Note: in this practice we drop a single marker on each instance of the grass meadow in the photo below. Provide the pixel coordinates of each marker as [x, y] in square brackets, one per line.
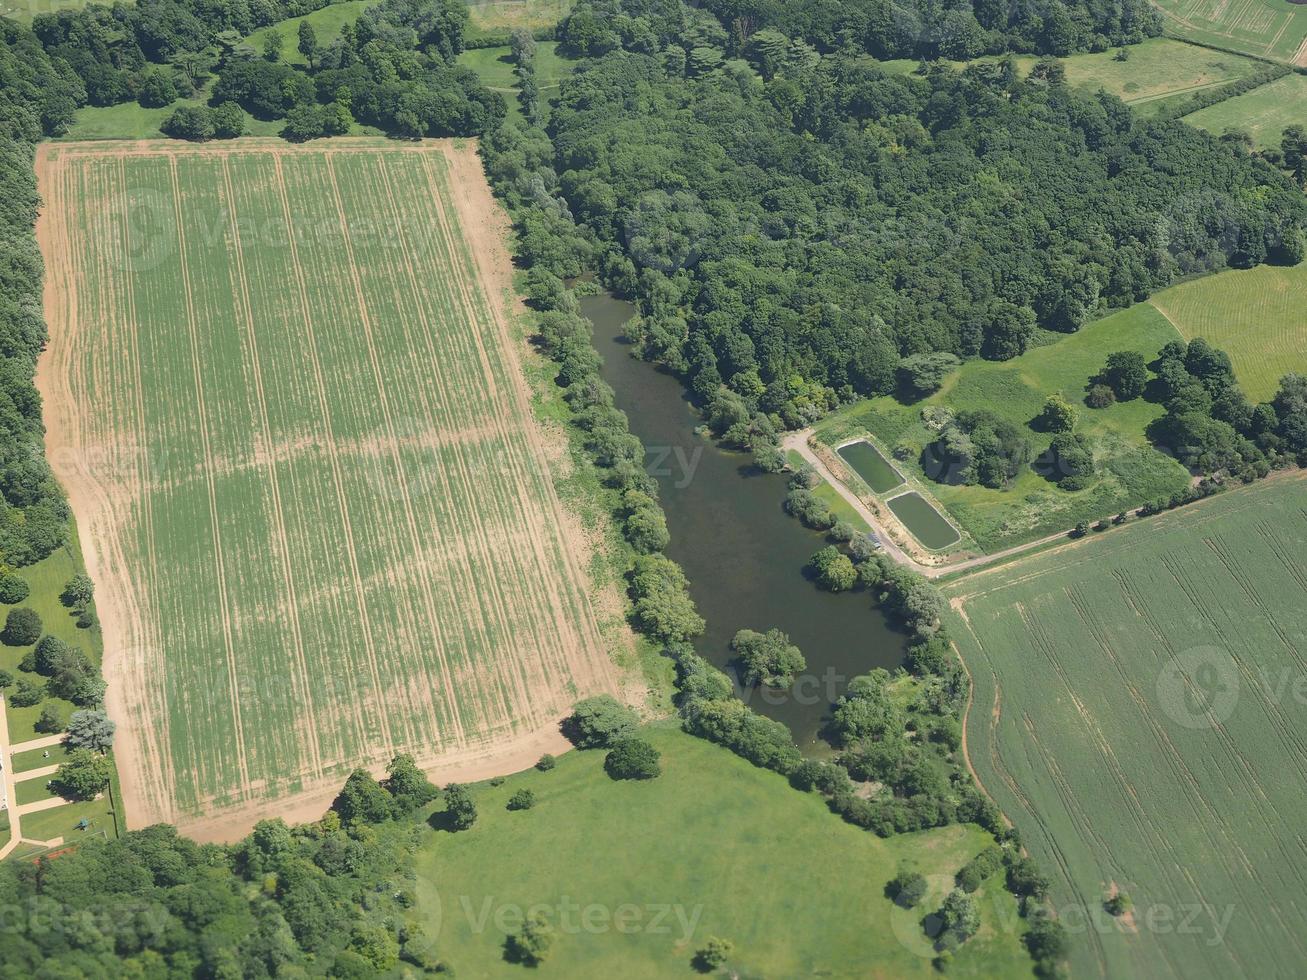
[1263, 113]
[724, 846]
[1139, 713]
[1130, 470]
[309, 449]
[1258, 316]
[1272, 29]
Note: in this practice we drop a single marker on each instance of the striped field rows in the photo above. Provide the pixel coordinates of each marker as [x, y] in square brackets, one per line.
[293, 425]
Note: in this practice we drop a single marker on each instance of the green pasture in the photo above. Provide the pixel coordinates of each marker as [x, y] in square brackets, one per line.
[1138, 712]
[729, 849]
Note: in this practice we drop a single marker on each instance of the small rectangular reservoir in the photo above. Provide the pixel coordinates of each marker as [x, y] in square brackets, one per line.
[868, 463]
[924, 521]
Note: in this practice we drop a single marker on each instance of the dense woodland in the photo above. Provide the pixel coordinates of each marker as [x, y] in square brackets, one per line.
[37, 98]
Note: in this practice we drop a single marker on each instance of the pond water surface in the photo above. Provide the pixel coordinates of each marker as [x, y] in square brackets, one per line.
[743, 554]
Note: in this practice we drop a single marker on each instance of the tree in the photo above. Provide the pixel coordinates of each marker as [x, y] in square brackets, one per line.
[922, 374]
[78, 591]
[523, 799]
[49, 721]
[1100, 396]
[907, 889]
[1057, 415]
[833, 570]
[90, 729]
[713, 954]
[6, 679]
[308, 42]
[767, 658]
[546, 762]
[228, 120]
[157, 89]
[1126, 374]
[22, 627]
[83, 775]
[866, 710]
[407, 785]
[26, 694]
[193, 123]
[632, 758]
[599, 721]
[13, 588]
[460, 809]
[959, 919]
[362, 800]
[530, 946]
[273, 42]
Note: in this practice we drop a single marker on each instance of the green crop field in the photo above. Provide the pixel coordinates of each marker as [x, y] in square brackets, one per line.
[1258, 316]
[712, 847]
[1139, 712]
[1131, 471]
[1274, 29]
[319, 514]
[1263, 113]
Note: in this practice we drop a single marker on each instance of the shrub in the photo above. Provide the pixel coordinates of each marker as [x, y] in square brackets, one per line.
[13, 589]
[523, 799]
[27, 694]
[6, 679]
[907, 889]
[632, 758]
[599, 722]
[22, 627]
[531, 945]
[713, 954]
[546, 762]
[1100, 396]
[973, 874]
[1118, 904]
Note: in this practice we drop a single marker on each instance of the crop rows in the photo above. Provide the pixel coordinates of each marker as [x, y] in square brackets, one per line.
[1159, 742]
[316, 496]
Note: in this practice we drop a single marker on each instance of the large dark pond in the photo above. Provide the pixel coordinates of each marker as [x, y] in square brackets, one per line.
[744, 555]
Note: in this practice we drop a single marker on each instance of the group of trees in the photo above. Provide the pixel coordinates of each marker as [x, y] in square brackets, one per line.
[320, 897]
[976, 447]
[603, 722]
